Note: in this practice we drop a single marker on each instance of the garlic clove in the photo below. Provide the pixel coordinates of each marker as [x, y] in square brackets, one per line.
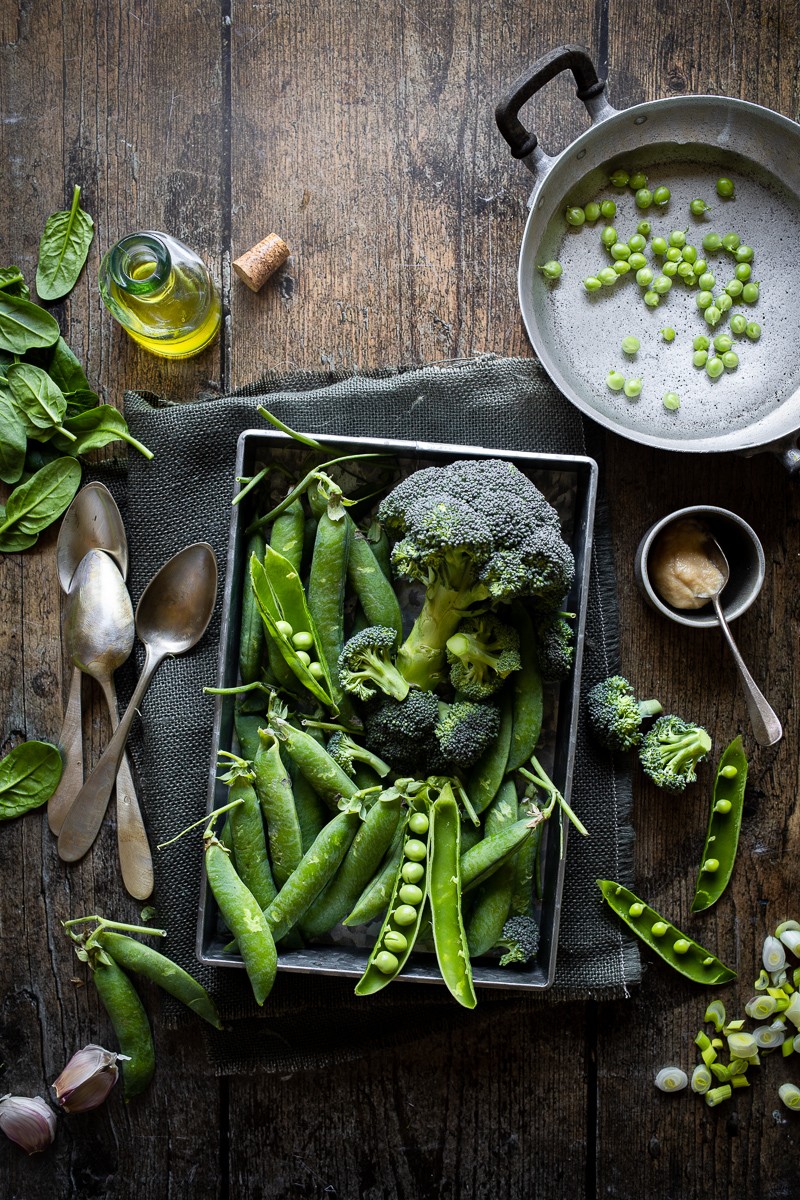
[28, 1121]
[87, 1079]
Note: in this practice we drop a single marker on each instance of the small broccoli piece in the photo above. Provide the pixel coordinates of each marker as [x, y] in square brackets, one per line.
[671, 750]
[402, 731]
[520, 937]
[555, 646]
[464, 730]
[347, 753]
[615, 715]
[366, 664]
[482, 654]
[475, 533]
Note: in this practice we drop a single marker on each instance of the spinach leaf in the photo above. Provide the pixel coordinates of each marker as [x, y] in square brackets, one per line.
[65, 370]
[28, 777]
[63, 250]
[14, 541]
[95, 428]
[38, 456]
[13, 282]
[34, 505]
[39, 401]
[23, 325]
[12, 441]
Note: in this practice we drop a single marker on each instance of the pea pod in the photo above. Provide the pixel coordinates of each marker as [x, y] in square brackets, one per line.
[242, 914]
[724, 824]
[247, 726]
[317, 867]
[274, 790]
[313, 761]
[131, 1026]
[402, 921]
[527, 882]
[487, 774]
[287, 534]
[366, 851]
[312, 812]
[280, 598]
[247, 836]
[374, 900]
[479, 862]
[251, 631]
[326, 591]
[493, 899]
[380, 546]
[375, 592]
[527, 694]
[676, 949]
[144, 960]
[444, 889]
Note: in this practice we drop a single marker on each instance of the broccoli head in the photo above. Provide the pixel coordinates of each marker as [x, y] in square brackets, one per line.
[671, 750]
[366, 664]
[475, 533]
[464, 730]
[555, 646]
[482, 654]
[347, 753]
[615, 715]
[423, 736]
[520, 938]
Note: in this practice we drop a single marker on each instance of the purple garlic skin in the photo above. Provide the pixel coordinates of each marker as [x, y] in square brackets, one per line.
[87, 1079]
[28, 1121]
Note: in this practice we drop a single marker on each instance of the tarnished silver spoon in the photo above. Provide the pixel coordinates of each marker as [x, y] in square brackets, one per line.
[171, 617]
[99, 633]
[92, 520]
[767, 729]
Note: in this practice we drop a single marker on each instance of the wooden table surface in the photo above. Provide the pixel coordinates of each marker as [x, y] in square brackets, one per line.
[364, 134]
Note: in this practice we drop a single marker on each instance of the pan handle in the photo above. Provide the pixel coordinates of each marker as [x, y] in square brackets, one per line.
[524, 143]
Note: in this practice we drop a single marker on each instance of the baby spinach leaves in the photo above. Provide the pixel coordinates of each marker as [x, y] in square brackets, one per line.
[35, 504]
[39, 401]
[13, 282]
[23, 325]
[93, 428]
[13, 441]
[29, 775]
[63, 250]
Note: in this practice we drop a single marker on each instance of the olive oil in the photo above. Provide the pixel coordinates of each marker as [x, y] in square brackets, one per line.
[161, 293]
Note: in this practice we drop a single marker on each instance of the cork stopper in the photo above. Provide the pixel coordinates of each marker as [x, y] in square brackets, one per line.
[256, 265]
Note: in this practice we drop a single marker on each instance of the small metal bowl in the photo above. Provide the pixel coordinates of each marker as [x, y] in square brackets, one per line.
[742, 549]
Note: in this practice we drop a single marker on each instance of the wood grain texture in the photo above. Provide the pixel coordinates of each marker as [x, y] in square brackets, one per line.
[364, 135]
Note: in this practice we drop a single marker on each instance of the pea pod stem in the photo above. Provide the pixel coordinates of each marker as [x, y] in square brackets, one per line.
[541, 780]
[210, 819]
[302, 487]
[304, 438]
[104, 923]
[249, 485]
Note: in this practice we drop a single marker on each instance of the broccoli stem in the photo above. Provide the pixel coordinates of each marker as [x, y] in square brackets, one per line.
[421, 659]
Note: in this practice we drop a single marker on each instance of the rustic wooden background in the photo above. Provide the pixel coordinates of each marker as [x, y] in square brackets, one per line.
[364, 134]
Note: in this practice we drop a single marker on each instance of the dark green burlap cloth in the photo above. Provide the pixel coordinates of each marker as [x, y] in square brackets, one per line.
[184, 495]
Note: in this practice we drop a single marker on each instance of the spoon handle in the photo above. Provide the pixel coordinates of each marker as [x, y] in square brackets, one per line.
[84, 819]
[71, 743]
[135, 858]
[767, 729]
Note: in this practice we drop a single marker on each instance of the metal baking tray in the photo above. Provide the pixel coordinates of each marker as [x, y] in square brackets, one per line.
[570, 483]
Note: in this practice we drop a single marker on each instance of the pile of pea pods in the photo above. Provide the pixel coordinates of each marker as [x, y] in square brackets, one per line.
[304, 847]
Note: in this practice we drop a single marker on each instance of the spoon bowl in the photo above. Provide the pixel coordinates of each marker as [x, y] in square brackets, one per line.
[92, 520]
[98, 616]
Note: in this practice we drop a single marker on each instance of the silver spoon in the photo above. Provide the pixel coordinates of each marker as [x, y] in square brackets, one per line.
[766, 726]
[98, 630]
[171, 617]
[92, 519]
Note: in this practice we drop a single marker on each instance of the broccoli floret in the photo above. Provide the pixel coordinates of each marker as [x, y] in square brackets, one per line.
[482, 654]
[475, 533]
[465, 730]
[555, 646]
[520, 937]
[347, 753]
[671, 750]
[615, 715]
[365, 664]
[402, 731]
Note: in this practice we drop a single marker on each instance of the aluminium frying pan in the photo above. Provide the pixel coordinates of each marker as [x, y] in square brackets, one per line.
[685, 143]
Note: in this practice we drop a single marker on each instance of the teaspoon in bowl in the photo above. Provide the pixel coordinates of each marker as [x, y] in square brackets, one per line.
[92, 520]
[99, 632]
[767, 728]
[171, 617]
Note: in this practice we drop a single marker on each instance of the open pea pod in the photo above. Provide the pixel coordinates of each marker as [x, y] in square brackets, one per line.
[724, 824]
[280, 597]
[444, 893]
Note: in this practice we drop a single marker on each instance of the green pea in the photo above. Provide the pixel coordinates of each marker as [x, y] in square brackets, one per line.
[386, 962]
[652, 299]
[609, 236]
[723, 302]
[638, 180]
[644, 276]
[620, 250]
[723, 806]
[689, 254]
[575, 216]
[630, 345]
[730, 360]
[418, 822]
[643, 228]
[686, 271]
[668, 333]
[551, 269]
[303, 640]
[699, 266]
[615, 380]
[592, 211]
[734, 287]
[637, 242]
[670, 269]
[413, 872]
[671, 401]
[637, 261]
[284, 628]
[714, 367]
[659, 928]
[592, 284]
[750, 293]
[738, 323]
[636, 909]
[712, 241]
[711, 865]
[700, 358]
[415, 850]
[619, 178]
[704, 299]
[405, 914]
[396, 941]
[706, 281]
[607, 276]
[409, 893]
[725, 187]
[608, 209]
[701, 342]
[316, 669]
[662, 284]
[681, 946]
[731, 241]
[643, 198]
[722, 342]
[745, 254]
[659, 246]
[743, 271]
[712, 315]
[697, 207]
[661, 195]
[674, 254]
[621, 266]
[305, 658]
[753, 330]
[633, 388]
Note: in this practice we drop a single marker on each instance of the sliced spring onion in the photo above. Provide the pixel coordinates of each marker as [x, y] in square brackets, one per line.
[720, 1072]
[702, 1040]
[718, 1094]
[796, 1044]
[740, 1081]
[787, 1048]
[742, 1045]
[761, 1007]
[779, 978]
[733, 1026]
[738, 1066]
[671, 1079]
[701, 1079]
[762, 983]
[793, 1009]
[790, 1095]
[785, 926]
[767, 1038]
[717, 1043]
[709, 1056]
[715, 1014]
[773, 955]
